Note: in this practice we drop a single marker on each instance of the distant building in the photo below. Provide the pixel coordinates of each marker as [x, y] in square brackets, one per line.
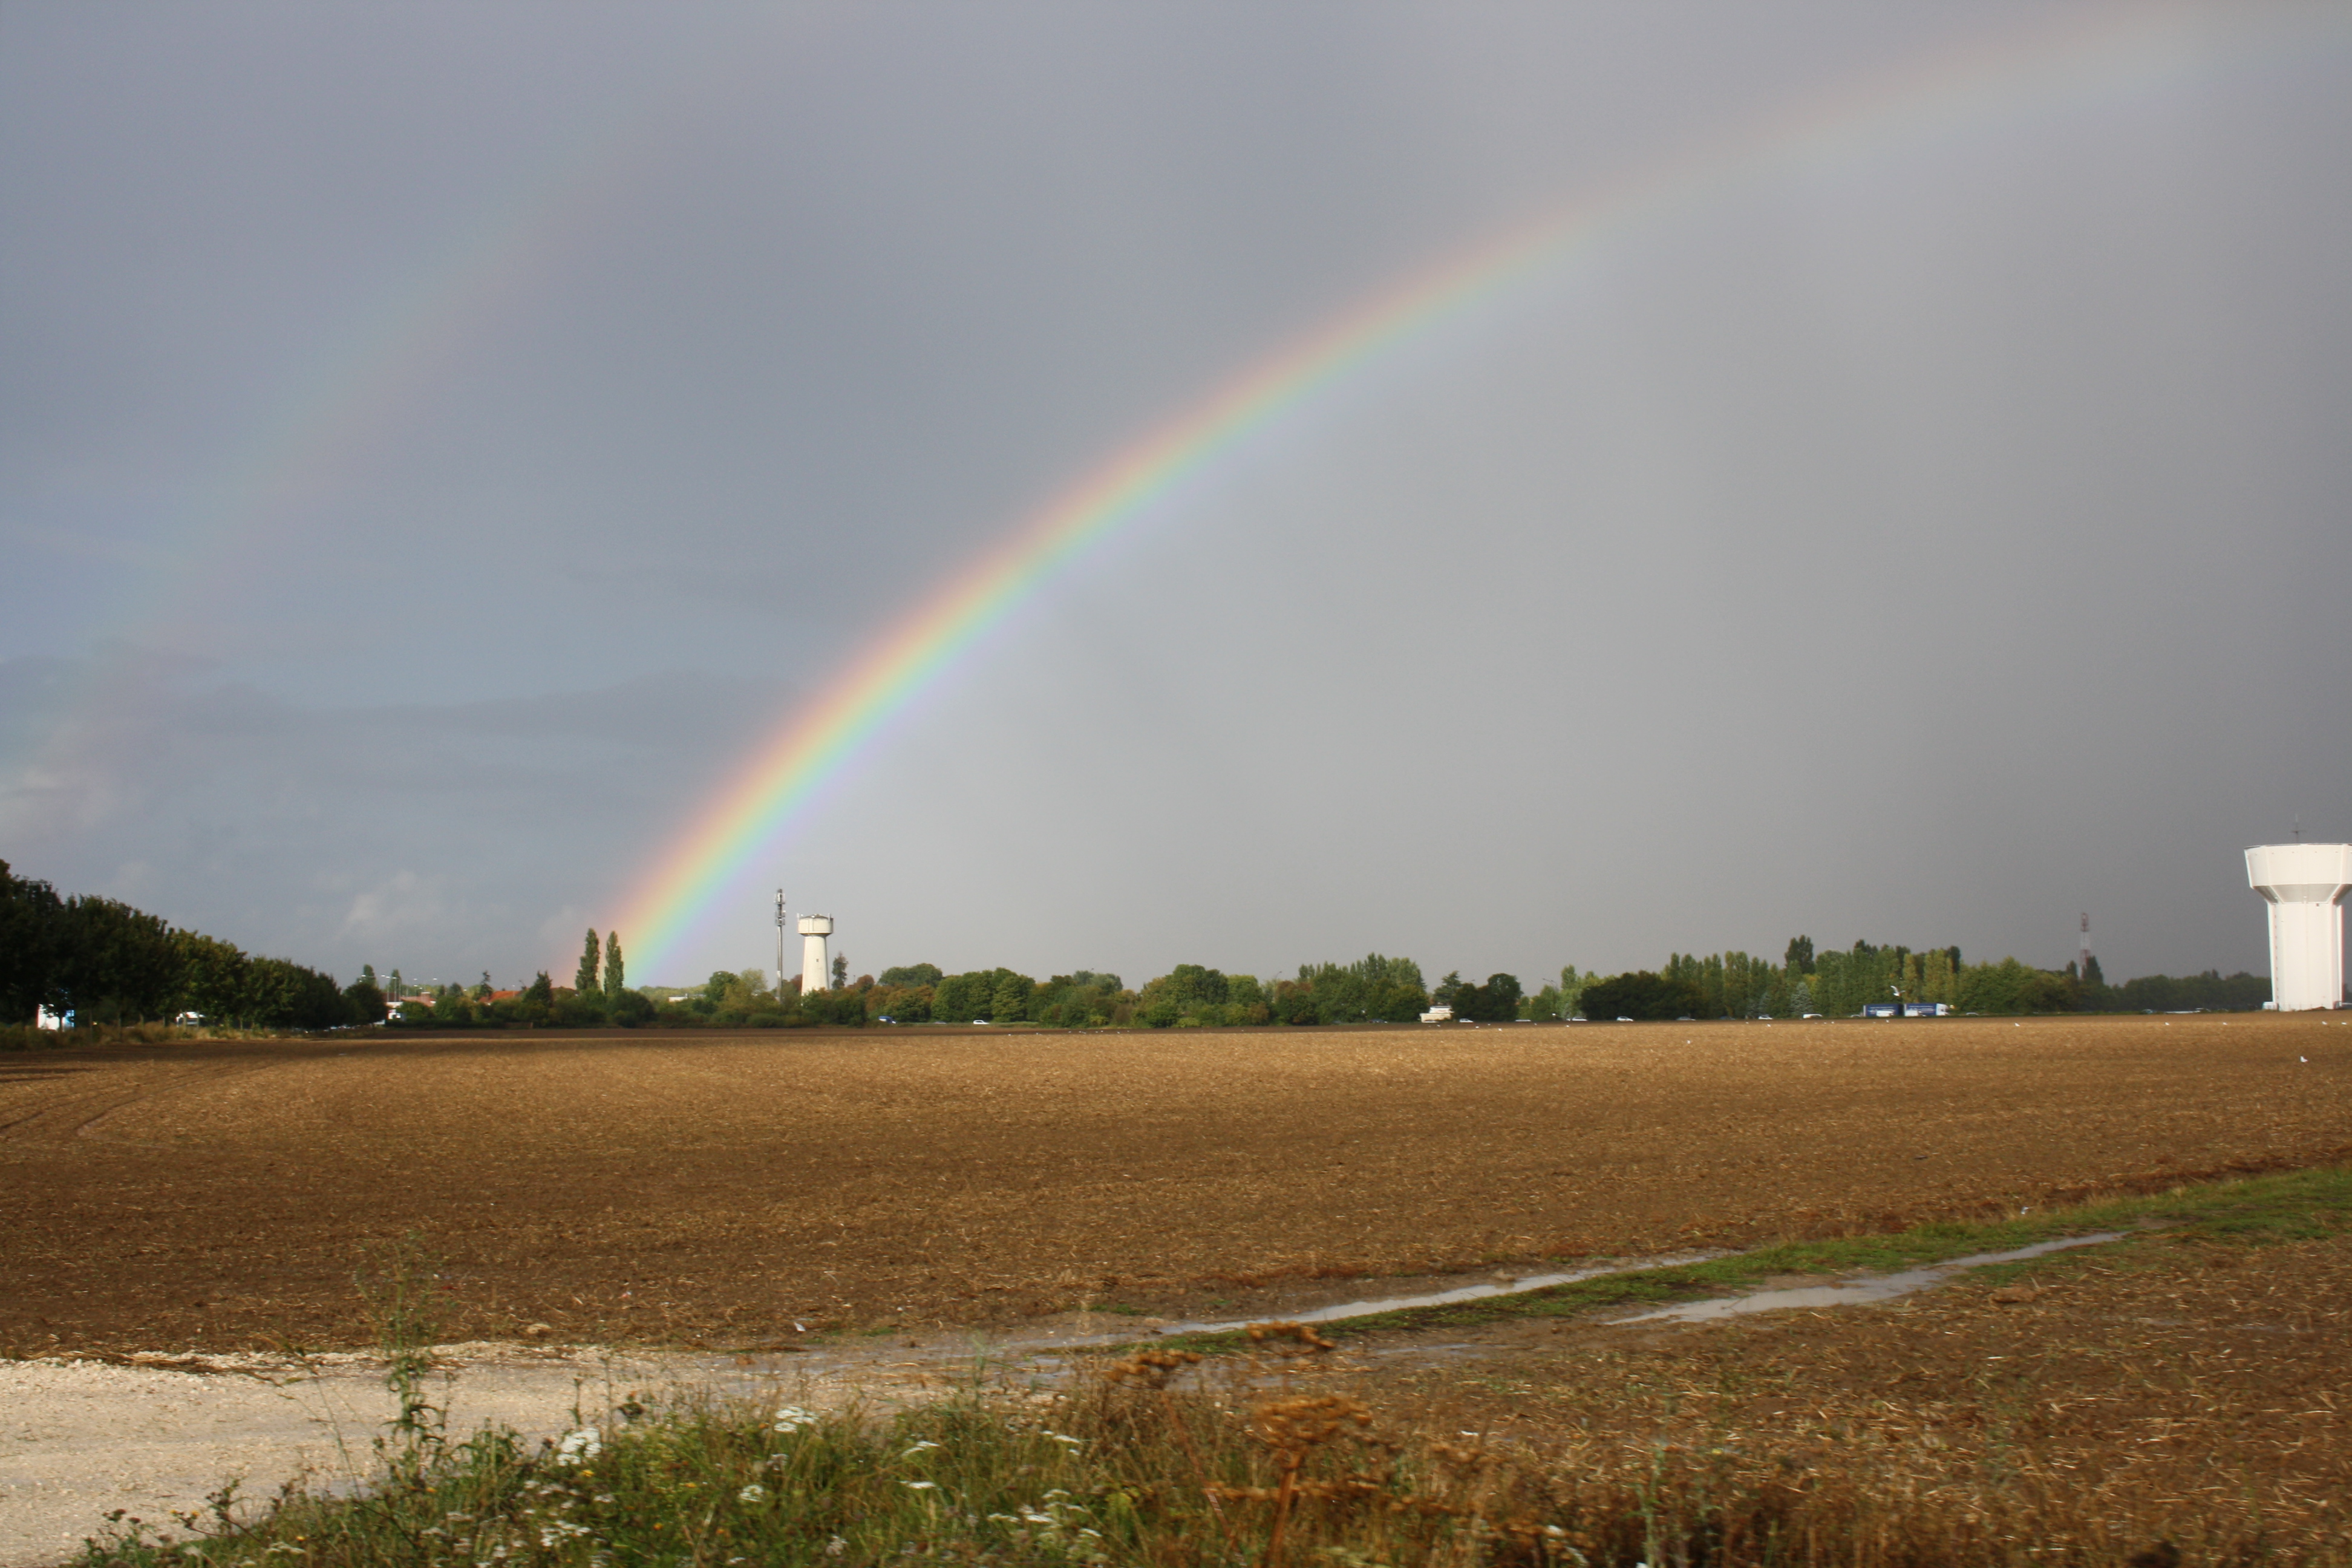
[1438, 1015]
[1904, 1009]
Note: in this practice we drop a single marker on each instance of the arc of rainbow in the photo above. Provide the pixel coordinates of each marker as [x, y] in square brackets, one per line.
[819, 741]
[822, 737]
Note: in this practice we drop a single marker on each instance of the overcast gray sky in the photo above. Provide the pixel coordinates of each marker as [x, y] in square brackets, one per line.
[439, 443]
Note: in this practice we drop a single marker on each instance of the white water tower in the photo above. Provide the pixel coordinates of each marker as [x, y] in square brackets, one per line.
[814, 975]
[2304, 884]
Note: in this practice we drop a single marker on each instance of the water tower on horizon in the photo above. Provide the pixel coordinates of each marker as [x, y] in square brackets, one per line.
[2304, 884]
[814, 969]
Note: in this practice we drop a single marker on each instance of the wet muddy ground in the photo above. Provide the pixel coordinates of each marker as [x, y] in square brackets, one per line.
[739, 1193]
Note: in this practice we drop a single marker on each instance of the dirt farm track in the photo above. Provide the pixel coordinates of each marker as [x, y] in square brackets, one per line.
[729, 1190]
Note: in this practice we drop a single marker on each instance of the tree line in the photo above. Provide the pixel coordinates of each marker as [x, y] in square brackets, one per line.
[100, 961]
[1840, 981]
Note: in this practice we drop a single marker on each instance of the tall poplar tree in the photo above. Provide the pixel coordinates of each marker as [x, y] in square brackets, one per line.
[585, 980]
[613, 985]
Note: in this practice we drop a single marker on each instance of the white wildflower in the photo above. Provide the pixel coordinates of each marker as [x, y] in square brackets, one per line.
[836, 1547]
[793, 1418]
[754, 1493]
[920, 1486]
[579, 1447]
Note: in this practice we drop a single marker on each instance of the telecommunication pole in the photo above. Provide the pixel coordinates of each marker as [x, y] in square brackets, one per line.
[779, 941]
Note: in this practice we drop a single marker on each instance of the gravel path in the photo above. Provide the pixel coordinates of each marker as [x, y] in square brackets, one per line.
[79, 1439]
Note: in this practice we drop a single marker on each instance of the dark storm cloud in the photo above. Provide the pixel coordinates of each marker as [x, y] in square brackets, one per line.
[1923, 543]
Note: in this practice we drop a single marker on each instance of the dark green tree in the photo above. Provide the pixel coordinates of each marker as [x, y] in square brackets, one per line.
[214, 979]
[2210, 990]
[613, 984]
[591, 957]
[1188, 993]
[115, 965]
[841, 972]
[912, 975]
[1800, 959]
[1009, 1002]
[1374, 987]
[285, 996]
[959, 998]
[31, 928]
[1498, 1000]
[364, 1000]
[1495, 1002]
[1642, 994]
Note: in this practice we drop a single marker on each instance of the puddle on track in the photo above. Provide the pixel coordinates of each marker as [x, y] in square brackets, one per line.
[1521, 1286]
[1043, 1356]
[1046, 1357]
[1854, 1292]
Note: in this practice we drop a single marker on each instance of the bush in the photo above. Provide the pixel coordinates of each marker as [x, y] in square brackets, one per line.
[578, 1010]
[846, 1006]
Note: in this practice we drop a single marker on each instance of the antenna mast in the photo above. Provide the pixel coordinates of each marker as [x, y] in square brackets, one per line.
[780, 941]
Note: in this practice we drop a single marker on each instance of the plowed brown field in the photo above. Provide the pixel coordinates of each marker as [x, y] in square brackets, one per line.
[721, 1188]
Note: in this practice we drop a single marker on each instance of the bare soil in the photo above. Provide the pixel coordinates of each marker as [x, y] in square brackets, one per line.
[737, 1191]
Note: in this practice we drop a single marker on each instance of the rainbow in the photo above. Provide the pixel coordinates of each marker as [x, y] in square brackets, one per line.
[818, 744]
